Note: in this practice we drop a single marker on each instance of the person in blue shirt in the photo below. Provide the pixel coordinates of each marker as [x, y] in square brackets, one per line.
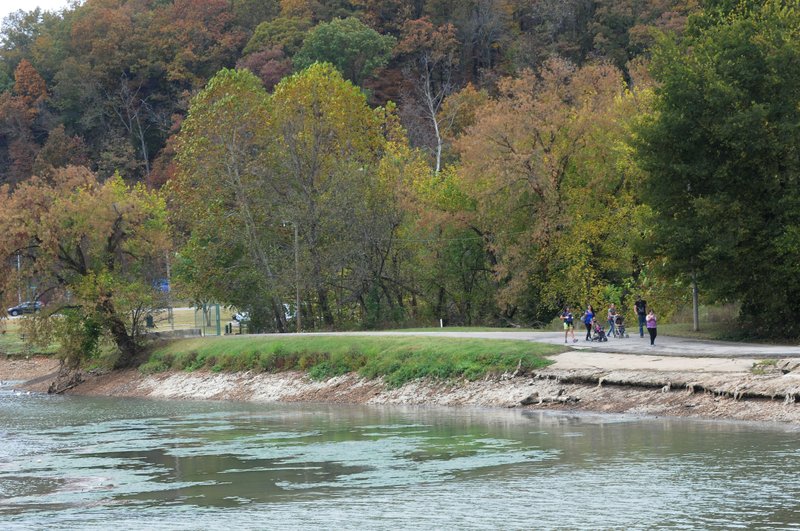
[569, 327]
[587, 318]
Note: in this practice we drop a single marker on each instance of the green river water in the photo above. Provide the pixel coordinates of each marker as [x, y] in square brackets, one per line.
[88, 463]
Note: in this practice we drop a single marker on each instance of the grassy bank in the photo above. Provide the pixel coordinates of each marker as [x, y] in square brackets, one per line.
[396, 359]
[12, 342]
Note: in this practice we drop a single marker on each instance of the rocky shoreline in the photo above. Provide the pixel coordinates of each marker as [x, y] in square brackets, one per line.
[770, 396]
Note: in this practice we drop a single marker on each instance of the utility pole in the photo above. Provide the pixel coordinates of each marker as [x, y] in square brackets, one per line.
[695, 304]
[19, 288]
[170, 316]
[296, 278]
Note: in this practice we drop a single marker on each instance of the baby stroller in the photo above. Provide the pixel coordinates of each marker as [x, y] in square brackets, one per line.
[619, 327]
[598, 334]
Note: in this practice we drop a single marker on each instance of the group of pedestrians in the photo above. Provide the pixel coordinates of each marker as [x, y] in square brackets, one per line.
[587, 318]
[647, 321]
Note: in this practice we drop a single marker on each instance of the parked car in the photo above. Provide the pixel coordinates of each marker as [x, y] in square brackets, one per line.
[25, 307]
[241, 317]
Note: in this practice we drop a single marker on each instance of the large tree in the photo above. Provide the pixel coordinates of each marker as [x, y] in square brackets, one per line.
[527, 161]
[255, 168]
[722, 159]
[220, 200]
[325, 144]
[95, 247]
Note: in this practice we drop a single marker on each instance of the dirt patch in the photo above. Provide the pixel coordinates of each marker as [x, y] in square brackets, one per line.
[16, 368]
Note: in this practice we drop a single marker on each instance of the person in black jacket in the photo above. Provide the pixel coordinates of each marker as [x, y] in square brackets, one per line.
[641, 312]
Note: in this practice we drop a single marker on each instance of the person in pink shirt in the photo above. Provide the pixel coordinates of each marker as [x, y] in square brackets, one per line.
[651, 326]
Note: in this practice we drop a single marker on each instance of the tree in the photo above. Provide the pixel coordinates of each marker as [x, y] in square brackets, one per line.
[253, 168]
[519, 163]
[353, 48]
[29, 87]
[622, 30]
[284, 33]
[250, 13]
[22, 119]
[720, 151]
[60, 151]
[325, 142]
[270, 65]
[101, 243]
[483, 30]
[198, 38]
[220, 200]
[389, 16]
[19, 32]
[432, 53]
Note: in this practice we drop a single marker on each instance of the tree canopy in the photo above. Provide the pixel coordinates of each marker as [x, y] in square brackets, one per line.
[355, 49]
[97, 248]
[721, 159]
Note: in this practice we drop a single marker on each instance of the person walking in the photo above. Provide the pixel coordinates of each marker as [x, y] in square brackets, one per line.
[612, 316]
[569, 327]
[651, 327]
[641, 312]
[587, 318]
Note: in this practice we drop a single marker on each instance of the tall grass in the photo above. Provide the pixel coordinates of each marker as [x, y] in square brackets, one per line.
[396, 359]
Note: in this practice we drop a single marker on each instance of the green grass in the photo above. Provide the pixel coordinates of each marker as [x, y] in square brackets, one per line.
[471, 329]
[764, 366]
[11, 343]
[721, 331]
[396, 359]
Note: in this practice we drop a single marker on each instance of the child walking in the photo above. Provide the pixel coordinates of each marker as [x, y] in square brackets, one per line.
[569, 328]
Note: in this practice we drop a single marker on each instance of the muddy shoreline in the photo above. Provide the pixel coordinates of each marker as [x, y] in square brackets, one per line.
[770, 397]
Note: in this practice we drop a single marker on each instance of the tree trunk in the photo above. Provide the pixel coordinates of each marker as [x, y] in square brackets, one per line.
[125, 343]
[280, 318]
[324, 307]
[440, 298]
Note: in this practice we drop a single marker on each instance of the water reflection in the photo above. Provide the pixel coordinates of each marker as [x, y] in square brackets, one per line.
[69, 462]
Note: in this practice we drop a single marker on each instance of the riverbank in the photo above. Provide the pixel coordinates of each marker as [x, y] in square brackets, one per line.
[26, 368]
[578, 381]
[679, 378]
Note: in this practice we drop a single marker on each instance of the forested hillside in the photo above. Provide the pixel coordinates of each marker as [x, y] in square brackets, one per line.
[393, 162]
[107, 83]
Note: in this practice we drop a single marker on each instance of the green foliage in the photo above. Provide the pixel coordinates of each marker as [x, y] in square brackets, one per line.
[101, 243]
[78, 335]
[552, 183]
[284, 33]
[397, 360]
[720, 152]
[353, 48]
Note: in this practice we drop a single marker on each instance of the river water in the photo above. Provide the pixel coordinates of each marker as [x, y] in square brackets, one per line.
[88, 463]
